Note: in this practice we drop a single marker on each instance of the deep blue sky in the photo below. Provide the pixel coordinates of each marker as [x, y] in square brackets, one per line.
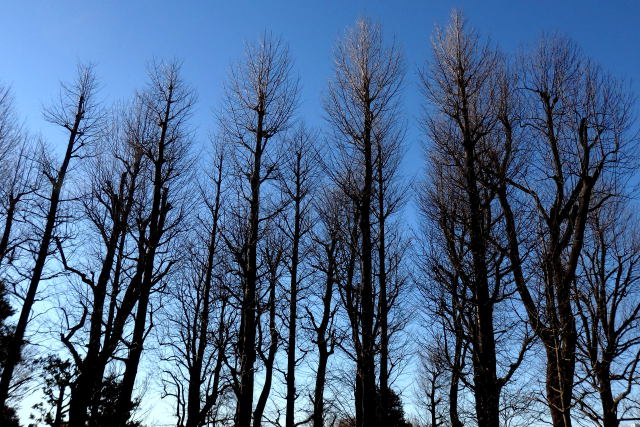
[43, 40]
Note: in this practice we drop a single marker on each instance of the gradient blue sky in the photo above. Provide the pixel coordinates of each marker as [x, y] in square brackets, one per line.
[41, 42]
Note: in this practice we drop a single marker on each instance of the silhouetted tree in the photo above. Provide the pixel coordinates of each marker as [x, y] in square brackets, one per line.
[327, 258]
[360, 106]
[78, 114]
[58, 377]
[469, 88]
[608, 312]
[168, 102]
[261, 96]
[197, 331]
[115, 180]
[19, 179]
[577, 117]
[269, 339]
[299, 174]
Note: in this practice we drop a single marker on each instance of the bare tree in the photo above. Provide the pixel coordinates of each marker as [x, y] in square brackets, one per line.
[470, 91]
[445, 312]
[19, 187]
[107, 207]
[261, 97]
[608, 307]
[268, 343]
[577, 116]
[433, 365]
[361, 101]
[10, 130]
[168, 101]
[389, 196]
[298, 177]
[19, 178]
[197, 334]
[327, 260]
[129, 210]
[78, 114]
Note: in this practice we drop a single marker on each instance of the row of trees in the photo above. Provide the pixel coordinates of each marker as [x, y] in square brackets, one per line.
[530, 243]
[271, 279]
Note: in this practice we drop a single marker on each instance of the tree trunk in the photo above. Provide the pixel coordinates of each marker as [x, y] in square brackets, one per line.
[383, 311]
[84, 386]
[454, 417]
[487, 389]
[359, 397]
[433, 403]
[17, 340]
[293, 304]
[57, 422]
[321, 336]
[273, 347]
[159, 209]
[247, 338]
[124, 404]
[8, 224]
[367, 368]
[558, 396]
[194, 411]
[318, 394]
[609, 406]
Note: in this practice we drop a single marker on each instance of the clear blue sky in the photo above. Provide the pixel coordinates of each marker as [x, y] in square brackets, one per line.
[42, 40]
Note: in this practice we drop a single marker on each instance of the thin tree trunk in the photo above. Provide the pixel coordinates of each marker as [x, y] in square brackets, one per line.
[321, 339]
[8, 224]
[433, 402]
[383, 311]
[456, 369]
[157, 216]
[247, 338]
[270, 359]
[367, 368]
[17, 340]
[195, 417]
[293, 308]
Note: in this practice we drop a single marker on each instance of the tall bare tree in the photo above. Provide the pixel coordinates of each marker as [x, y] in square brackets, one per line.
[327, 256]
[261, 96]
[468, 85]
[19, 177]
[362, 98]
[77, 113]
[197, 334]
[168, 101]
[115, 175]
[578, 117]
[445, 313]
[389, 196]
[608, 308]
[299, 174]
[269, 338]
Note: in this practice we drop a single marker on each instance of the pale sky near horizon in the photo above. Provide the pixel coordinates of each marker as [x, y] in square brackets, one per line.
[41, 42]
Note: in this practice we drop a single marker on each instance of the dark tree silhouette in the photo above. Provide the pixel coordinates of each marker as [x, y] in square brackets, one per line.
[360, 104]
[78, 114]
[578, 117]
[261, 96]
